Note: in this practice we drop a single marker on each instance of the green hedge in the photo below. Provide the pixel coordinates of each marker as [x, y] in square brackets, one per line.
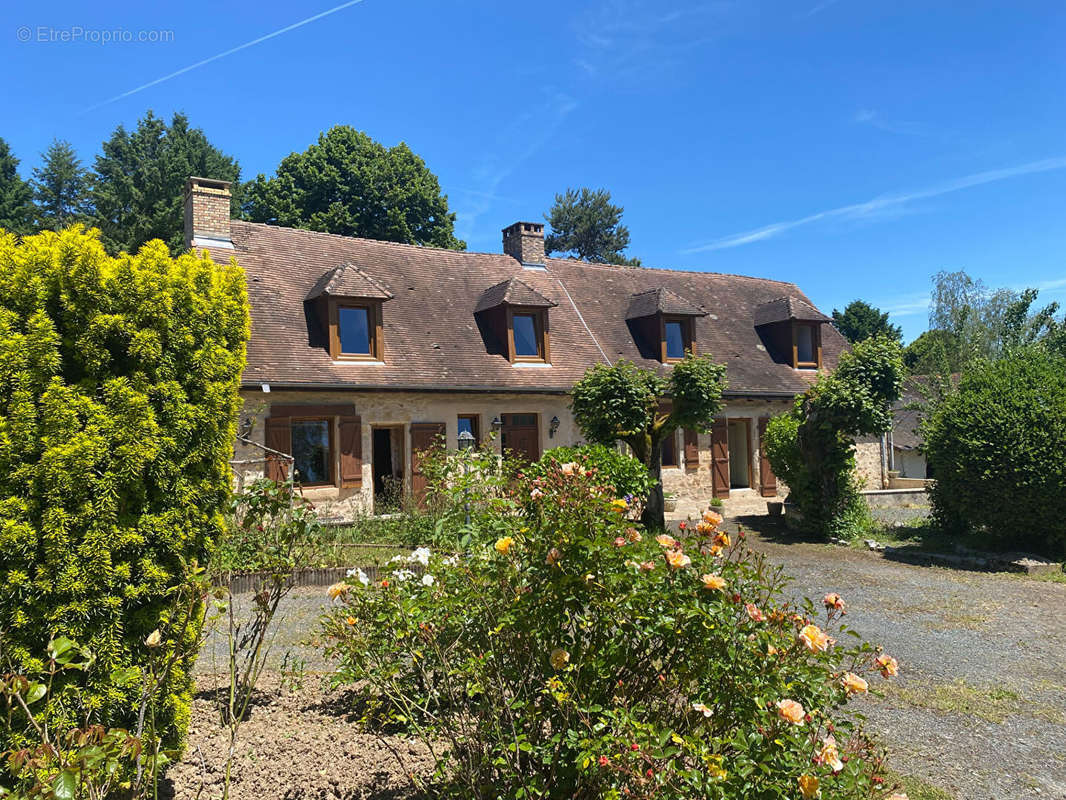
[997, 448]
[118, 401]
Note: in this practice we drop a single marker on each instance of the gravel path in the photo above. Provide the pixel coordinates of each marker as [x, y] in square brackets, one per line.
[1001, 733]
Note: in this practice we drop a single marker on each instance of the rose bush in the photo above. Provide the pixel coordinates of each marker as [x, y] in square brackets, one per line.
[577, 656]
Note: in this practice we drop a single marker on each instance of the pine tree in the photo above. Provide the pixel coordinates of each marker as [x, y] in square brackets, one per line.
[585, 224]
[16, 210]
[60, 188]
[140, 176]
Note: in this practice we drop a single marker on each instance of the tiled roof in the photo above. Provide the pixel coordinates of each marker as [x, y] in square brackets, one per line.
[512, 292]
[433, 341]
[347, 280]
[661, 301]
[789, 307]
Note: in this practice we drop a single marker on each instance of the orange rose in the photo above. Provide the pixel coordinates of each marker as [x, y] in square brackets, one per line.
[677, 560]
[712, 518]
[553, 557]
[808, 786]
[889, 666]
[666, 540]
[854, 684]
[833, 601]
[714, 583]
[647, 566]
[791, 711]
[829, 755]
[755, 612]
[721, 539]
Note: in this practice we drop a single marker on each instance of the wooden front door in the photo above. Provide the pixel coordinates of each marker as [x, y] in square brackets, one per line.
[423, 436]
[720, 458]
[767, 479]
[520, 436]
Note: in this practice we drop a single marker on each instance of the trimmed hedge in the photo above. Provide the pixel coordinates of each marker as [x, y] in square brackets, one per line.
[118, 403]
[997, 448]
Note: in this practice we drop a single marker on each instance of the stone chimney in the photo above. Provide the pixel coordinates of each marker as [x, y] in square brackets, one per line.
[525, 241]
[207, 213]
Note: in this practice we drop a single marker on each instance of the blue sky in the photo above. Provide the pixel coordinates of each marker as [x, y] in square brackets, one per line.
[852, 146]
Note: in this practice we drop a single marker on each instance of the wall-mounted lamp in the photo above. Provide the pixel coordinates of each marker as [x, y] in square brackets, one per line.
[496, 424]
[466, 440]
[553, 426]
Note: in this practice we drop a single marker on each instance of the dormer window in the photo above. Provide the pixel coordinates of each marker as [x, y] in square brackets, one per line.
[806, 345]
[517, 316]
[350, 303]
[791, 329]
[664, 324]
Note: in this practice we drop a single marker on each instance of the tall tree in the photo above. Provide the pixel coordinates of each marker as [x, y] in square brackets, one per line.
[624, 403]
[60, 188]
[140, 177]
[349, 184]
[585, 224]
[860, 320]
[16, 210]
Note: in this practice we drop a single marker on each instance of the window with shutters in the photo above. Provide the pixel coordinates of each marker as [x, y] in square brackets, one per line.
[316, 445]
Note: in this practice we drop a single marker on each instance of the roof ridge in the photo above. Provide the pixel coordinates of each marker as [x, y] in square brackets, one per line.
[577, 262]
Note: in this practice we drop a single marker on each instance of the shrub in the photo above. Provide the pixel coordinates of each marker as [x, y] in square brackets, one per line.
[625, 474]
[997, 448]
[577, 657]
[812, 448]
[118, 402]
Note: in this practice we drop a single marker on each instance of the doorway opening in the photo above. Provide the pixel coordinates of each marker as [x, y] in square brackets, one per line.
[387, 466]
[740, 454]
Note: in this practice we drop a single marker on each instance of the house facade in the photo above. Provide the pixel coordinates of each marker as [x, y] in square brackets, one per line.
[364, 352]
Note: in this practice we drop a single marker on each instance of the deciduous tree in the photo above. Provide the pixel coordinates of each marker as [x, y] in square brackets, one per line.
[623, 403]
[347, 183]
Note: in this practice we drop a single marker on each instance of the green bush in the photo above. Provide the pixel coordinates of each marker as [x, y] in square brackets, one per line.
[997, 448]
[577, 657]
[118, 402]
[625, 474]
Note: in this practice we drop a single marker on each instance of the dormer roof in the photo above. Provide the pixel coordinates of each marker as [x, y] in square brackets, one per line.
[347, 280]
[512, 292]
[661, 301]
[785, 309]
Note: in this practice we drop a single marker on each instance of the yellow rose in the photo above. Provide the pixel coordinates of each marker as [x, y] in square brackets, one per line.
[815, 639]
[721, 539]
[666, 540]
[559, 658]
[677, 560]
[337, 590]
[619, 505]
[503, 546]
[808, 786]
[714, 583]
[791, 711]
[712, 518]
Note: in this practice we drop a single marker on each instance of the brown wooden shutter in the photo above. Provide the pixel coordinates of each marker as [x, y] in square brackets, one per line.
[278, 435]
[423, 436]
[692, 450]
[767, 479]
[351, 447]
[720, 458]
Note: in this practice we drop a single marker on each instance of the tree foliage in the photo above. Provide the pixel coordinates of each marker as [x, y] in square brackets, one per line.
[60, 188]
[812, 448]
[585, 224]
[622, 402]
[347, 183]
[139, 181]
[996, 445]
[16, 209]
[859, 321]
[118, 402]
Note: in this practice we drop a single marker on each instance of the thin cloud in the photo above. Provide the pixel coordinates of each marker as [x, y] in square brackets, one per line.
[909, 306]
[880, 205]
[872, 118]
[225, 53]
[821, 7]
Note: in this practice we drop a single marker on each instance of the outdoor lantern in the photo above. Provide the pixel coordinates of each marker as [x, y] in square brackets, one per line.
[466, 440]
[553, 426]
[496, 424]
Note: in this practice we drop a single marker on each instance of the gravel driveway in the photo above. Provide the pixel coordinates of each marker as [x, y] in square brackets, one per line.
[979, 709]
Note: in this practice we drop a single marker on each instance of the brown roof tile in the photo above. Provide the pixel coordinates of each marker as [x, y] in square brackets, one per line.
[661, 301]
[783, 309]
[512, 292]
[347, 280]
[432, 337]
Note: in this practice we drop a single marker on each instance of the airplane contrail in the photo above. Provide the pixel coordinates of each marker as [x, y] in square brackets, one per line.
[225, 53]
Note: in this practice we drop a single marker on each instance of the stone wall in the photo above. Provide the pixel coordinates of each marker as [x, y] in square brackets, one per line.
[868, 464]
[400, 409]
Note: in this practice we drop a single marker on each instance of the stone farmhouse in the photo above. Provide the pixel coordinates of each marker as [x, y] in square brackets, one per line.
[363, 352]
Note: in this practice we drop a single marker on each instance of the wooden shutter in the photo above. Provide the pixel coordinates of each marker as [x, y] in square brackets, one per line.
[720, 458]
[278, 434]
[423, 436]
[351, 447]
[692, 450]
[767, 479]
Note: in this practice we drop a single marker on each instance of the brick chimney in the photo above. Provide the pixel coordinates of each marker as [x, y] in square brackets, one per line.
[207, 213]
[525, 241]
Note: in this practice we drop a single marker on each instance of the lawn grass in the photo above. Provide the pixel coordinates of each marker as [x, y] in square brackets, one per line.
[916, 788]
[990, 703]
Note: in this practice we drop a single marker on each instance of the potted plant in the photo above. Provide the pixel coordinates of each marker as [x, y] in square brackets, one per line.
[775, 507]
[669, 501]
[716, 503]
